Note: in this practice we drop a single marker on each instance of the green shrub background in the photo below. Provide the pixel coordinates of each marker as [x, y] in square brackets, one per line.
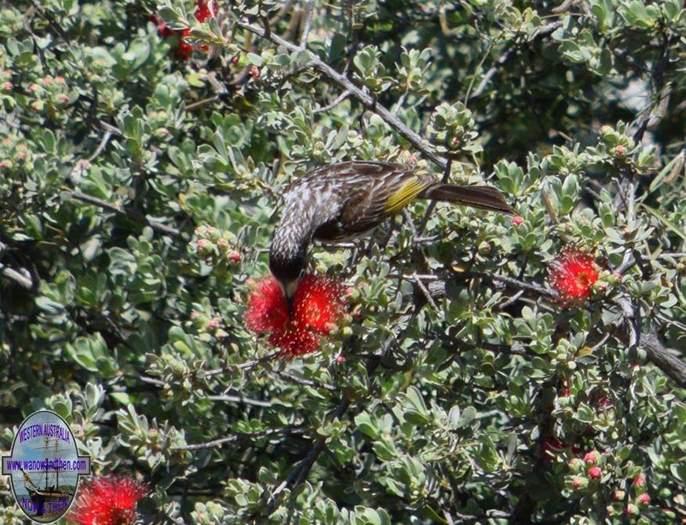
[462, 390]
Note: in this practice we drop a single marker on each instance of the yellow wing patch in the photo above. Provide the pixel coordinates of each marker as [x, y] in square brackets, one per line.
[404, 195]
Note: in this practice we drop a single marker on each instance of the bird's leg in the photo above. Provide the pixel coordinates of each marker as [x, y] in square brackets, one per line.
[384, 242]
[354, 255]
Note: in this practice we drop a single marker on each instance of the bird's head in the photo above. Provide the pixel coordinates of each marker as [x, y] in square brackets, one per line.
[287, 266]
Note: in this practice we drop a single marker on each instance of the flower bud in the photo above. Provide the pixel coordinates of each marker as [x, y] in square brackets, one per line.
[234, 257]
[594, 473]
[576, 465]
[517, 220]
[578, 483]
[643, 499]
[591, 458]
[639, 480]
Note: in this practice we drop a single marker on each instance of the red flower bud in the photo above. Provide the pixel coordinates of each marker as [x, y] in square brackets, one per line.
[644, 499]
[639, 480]
[594, 473]
[234, 257]
[591, 458]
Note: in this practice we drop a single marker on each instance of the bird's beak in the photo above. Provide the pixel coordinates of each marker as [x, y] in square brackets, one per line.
[289, 291]
[290, 288]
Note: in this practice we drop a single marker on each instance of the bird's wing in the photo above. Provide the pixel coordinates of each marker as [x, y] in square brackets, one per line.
[354, 197]
[380, 194]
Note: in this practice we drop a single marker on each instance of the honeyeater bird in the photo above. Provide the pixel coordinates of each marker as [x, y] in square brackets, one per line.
[344, 200]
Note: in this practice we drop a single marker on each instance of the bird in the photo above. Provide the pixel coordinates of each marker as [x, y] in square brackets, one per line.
[345, 200]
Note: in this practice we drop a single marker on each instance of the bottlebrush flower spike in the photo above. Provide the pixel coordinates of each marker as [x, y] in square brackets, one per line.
[267, 309]
[573, 275]
[318, 304]
[107, 500]
[205, 10]
[295, 341]
[162, 28]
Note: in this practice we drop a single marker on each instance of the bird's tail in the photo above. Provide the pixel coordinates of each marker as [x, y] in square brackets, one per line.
[483, 197]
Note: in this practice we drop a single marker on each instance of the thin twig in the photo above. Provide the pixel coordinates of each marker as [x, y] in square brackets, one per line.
[103, 144]
[507, 55]
[340, 98]
[425, 291]
[157, 226]
[237, 436]
[240, 400]
[306, 22]
[664, 358]
[299, 473]
[200, 103]
[361, 95]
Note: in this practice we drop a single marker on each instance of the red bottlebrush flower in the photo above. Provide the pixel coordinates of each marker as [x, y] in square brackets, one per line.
[184, 50]
[162, 28]
[107, 500]
[267, 309]
[318, 305]
[573, 274]
[295, 341]
[644, 499]
[594, 473]
[551, 448]
[205, 10]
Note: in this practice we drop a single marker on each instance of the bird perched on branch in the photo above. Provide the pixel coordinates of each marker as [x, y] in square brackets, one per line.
[345, 200]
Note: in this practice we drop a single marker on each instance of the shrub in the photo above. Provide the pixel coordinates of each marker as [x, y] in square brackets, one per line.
[143, 149]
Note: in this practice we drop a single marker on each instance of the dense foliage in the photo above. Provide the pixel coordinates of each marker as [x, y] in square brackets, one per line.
[143, 148]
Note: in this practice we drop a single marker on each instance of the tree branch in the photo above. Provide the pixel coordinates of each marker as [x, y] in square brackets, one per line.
[361, 95]
[157, 226]
[664, 358]
[506, 56]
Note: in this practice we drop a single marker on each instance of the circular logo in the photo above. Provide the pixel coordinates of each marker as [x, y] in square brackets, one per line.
[44, 466]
